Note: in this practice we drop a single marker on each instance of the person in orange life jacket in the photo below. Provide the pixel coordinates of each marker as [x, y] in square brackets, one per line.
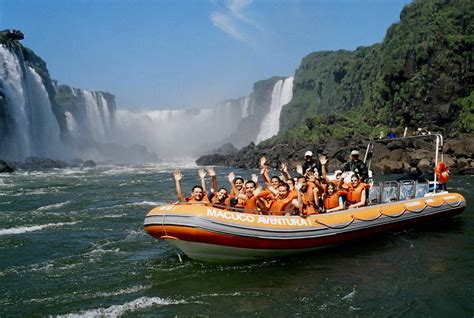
[212, 192]
[357, 166]
[288, 179]
[237, 185]
[249, 199]
[332, 198]
[442, 174]
[271, 183]
[356, 194]
[221, 198]
[307, 202]
[197, 194]
[281, 204]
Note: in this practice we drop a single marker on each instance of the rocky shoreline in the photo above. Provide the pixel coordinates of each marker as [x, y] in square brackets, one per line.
[389, 157]
[37, 163]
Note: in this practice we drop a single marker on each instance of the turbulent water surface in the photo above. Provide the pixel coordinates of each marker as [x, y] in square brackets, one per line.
[72, 243]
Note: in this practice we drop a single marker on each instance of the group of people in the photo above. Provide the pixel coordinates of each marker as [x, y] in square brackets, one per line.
[312, 191]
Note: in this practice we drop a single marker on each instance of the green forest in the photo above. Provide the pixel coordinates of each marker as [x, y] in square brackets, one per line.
[421, 75]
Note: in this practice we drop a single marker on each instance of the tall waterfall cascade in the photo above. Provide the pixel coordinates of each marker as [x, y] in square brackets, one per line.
[91, 118]
[43, 119]
[33, 129]
[281, 95]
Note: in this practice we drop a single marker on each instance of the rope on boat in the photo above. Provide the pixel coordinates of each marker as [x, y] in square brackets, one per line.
[453, 205]
[368, 220]
[381, 213]
[336, 227]
[394, 216]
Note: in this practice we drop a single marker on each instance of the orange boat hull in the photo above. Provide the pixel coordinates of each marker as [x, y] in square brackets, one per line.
[210, 234]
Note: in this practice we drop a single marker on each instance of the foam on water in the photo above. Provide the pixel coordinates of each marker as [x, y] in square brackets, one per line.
[32, 228]
[131, 306]
[53, 206]
[124, 291]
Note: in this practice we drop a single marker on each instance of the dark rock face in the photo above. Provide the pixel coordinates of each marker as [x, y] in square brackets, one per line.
[36, 163]
[89, 164]
[5, 167]
[212, 160]
[391, 157]
[12, 34]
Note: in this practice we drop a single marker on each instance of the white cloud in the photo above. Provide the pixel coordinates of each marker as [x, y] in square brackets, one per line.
[224, 23]
[237, 6]
[228, 19]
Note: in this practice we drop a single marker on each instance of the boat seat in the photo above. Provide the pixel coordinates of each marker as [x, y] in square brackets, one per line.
[421, 189]
[407, 189]
[390, 191]
[374, 195]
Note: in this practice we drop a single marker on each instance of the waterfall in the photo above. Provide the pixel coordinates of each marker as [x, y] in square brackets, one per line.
[281, 95]
[244, 102]
[33, 130]
[90, 118]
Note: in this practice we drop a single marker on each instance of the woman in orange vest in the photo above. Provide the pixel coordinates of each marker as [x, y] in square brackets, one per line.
[442, 174]
[332, 199]
[356, 194]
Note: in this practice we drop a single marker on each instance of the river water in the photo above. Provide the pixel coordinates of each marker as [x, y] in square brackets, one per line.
[72, 244]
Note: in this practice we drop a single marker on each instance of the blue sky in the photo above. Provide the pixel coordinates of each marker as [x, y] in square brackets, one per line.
[155, 54]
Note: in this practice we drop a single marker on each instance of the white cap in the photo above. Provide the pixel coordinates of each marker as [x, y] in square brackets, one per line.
[337, 172]
[308, 153]
[355, 153]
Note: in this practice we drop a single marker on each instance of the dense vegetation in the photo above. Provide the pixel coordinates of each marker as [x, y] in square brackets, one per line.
[421, 75]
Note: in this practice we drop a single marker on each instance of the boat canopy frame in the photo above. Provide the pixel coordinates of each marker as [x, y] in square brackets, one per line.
[436, 137]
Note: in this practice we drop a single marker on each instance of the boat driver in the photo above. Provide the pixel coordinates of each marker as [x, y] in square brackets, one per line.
[357, 166]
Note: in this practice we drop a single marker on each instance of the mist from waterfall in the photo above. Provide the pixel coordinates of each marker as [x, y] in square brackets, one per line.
[172, 133]
[34, 130]
[281, 95]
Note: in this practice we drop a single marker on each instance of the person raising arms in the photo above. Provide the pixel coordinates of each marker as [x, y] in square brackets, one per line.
[307, 197]
[281, 204]
[197, 193]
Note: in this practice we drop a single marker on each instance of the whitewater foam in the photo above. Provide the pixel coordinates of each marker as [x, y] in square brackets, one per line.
[131, 306]
[32, 228]
[53, 206]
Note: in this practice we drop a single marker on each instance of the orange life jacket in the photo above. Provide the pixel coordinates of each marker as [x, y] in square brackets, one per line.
[354, 194]
[442, 173]
[331, 201]
[309, 206]
[250, 205]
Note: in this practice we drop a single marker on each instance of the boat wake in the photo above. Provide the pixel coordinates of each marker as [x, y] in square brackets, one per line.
[131, 306]
[32, 228]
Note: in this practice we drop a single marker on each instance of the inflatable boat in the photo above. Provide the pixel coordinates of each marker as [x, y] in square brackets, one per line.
[208, 233]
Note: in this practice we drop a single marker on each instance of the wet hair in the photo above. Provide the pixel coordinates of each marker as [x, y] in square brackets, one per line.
[198, 187]
[275, 177]
[252, 182]
[239, 178]
[300, 176]
[332, 185]
[356, 176]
